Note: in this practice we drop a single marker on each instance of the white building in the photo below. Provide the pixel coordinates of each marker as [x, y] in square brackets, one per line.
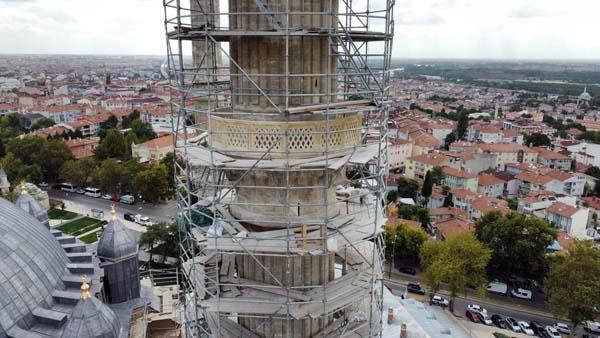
[571, 219]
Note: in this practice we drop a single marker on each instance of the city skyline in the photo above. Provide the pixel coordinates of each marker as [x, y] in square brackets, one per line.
[446, 29]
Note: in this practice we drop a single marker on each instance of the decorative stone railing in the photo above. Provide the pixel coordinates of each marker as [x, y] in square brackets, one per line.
[305, 138]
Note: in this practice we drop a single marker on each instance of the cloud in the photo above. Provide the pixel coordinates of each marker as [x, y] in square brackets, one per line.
[420, 20]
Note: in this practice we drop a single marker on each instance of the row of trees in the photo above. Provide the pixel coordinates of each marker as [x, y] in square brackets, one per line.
[515, 244]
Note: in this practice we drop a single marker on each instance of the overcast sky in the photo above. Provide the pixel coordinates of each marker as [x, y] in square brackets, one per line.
[500, 29]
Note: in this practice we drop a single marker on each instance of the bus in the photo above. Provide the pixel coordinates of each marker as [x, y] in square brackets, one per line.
[92, 192]
[68, 187]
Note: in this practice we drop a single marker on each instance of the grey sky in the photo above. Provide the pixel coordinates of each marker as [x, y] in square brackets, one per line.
[521, 29]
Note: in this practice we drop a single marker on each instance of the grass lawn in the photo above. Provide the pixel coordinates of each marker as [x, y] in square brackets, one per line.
[61, 214]
[73, 226]
[89, 238]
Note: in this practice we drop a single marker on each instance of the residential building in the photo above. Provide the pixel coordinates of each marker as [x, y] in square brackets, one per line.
[485, 133]
[419, 165]
[490, 185]
[399, 151]
[571, 219]
[459, 179]
[553, 159]
[153, 150]
[83, 147]
[509, 153]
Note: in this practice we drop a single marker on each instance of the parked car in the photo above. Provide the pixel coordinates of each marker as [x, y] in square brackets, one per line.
[92, 192]
[476, 308]
[512, 324]
[537, 328]
[129, 217]
[115, 198]
[127, 199]
[415, 288]
[407, 270]
[521, 293]
[497, 288]
[590, 326]
[472, 315]
[499, 321]
[68, 187]
[80, 191]
[562, 328]
[484, 318]
[106, 197]
[43, 185]
[551, 332]
[143, 220]
[525, 328]
[437, 300]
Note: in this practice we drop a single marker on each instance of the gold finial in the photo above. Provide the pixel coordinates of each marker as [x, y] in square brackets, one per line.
[85, 288]
[23, 188]
[113, 212]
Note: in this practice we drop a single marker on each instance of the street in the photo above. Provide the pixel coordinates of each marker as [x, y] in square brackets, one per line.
[461, 302]
[157, 212]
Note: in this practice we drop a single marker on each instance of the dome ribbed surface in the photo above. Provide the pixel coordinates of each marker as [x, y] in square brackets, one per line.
[117, 242]
[92, 318]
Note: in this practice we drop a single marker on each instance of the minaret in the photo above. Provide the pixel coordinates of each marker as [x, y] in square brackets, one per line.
[118, 253]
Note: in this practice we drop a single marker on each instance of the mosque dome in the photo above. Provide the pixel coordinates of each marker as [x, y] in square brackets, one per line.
[28, 204]
[32, 263]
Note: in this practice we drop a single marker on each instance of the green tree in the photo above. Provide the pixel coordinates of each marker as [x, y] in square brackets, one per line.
[27, 149]
[513, 203]
[108, 79]
[169, 161]
[161, 238]
[52, 157]
[152, 183]
[131, 168]
[427, 188]
[448, 200]
[573, 284]
[72, 171]
[514, 237]
[450, 138]
[407, 188]
[437, 175]
[392, 196]
[43, 123]
[423, 216]
[111, 123]
[108, 175]
[537, 140]
[130, 139]
[17, 171]
[463, 124]
[593, 171]
[142, 130]
[404, 241]
[112, 146]
[458, 262]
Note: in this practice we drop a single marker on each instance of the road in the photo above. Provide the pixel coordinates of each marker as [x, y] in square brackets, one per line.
[157, 212]
[460, 306]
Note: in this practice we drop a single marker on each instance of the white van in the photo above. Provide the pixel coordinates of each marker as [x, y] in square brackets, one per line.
[521, 293]
[92, 192]
[498, 288]
[68, 187]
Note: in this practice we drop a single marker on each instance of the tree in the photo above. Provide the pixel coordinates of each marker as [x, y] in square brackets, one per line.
[427, 188]
[459, 261]
[17, 171]
[108, 79]
[404, 241]
[130, 170]
[73, 172]
[108, 175]
[43, 123]
[112, 146]
[392, 196]
[448, 200]
[593, 171]
[169, 161]
[437, 175]
[110, 123]
[142, 130]
[537, 140]
[161, 238]
[52, 157]
[423, 216]
[514, 238]
[513, 203]
[130, 139]
[463, 124]
[450, 138]
[152, 183]
[573, 284]
[407, 188]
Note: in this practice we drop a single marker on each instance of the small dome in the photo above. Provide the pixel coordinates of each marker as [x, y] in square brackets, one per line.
[117, 242]
[27, 203]
[91, 319]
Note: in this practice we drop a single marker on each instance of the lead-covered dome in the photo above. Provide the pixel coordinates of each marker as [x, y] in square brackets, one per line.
[117, 242]
[32, 263]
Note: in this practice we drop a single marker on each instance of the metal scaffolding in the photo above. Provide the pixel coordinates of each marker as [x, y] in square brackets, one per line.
[282, 109]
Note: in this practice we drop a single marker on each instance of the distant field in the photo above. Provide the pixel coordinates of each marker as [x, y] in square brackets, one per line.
[61, 214]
